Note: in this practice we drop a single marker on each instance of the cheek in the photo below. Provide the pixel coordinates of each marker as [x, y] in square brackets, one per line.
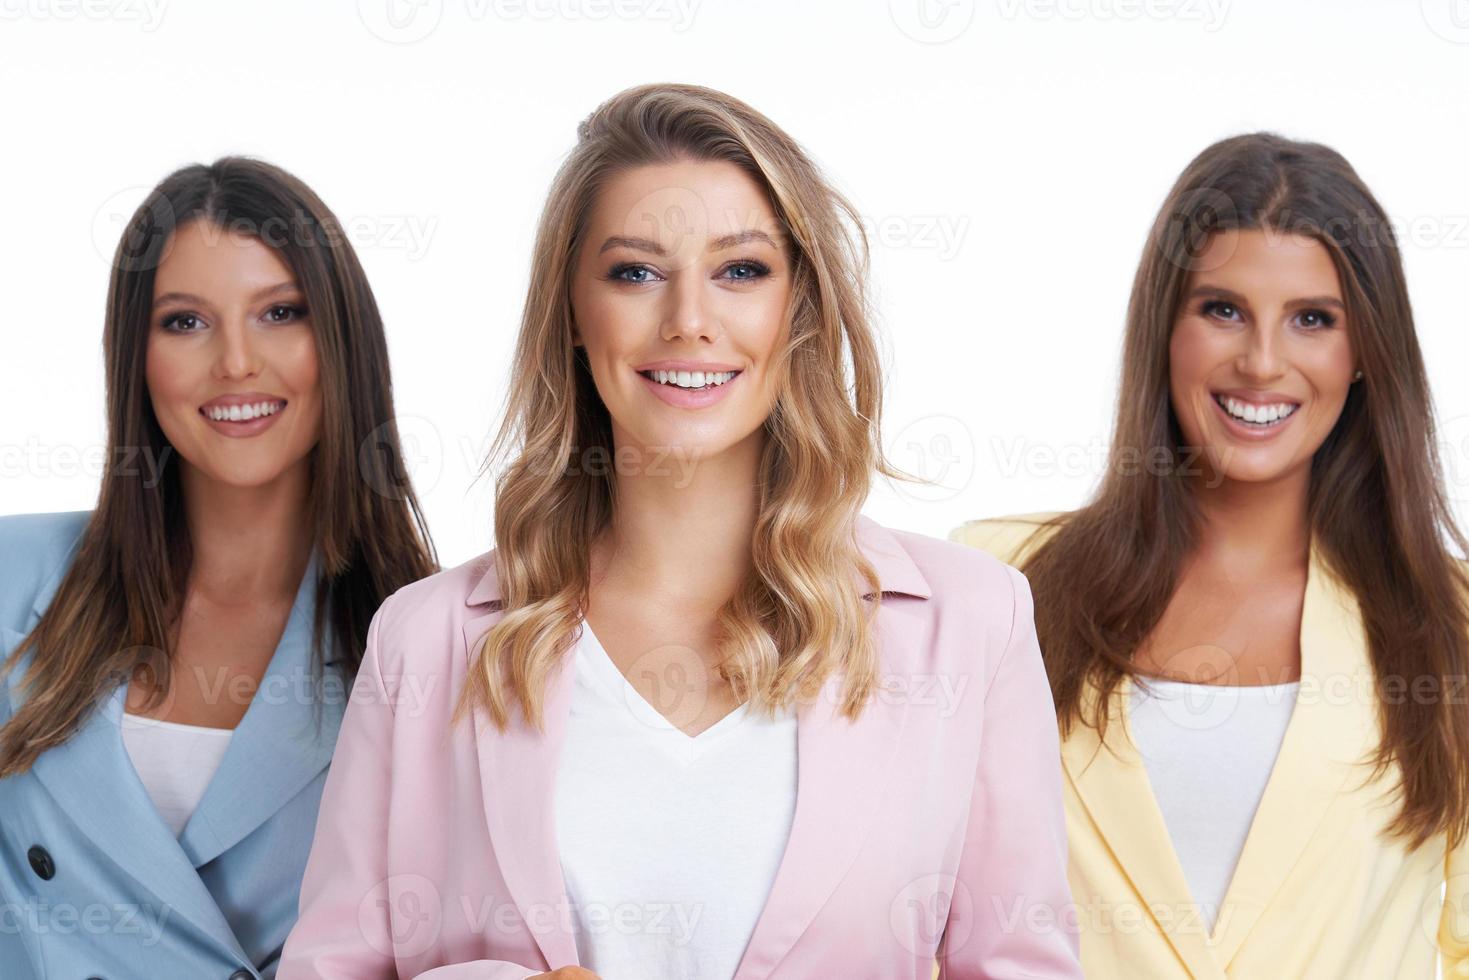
[171, 374]
[294, 359]
[1191, 356]
[1330, 370]
[763, 324]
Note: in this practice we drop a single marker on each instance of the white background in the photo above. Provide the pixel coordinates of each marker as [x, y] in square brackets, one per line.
[1009, 156]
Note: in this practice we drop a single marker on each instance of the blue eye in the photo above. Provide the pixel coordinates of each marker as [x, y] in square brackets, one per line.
[746, 270]
[631, 273]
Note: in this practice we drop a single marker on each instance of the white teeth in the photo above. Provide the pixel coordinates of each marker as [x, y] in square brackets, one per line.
[1256, 414]
[692, 379]
[243, 413]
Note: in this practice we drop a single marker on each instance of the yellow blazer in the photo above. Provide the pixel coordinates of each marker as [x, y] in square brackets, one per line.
[1319, 891]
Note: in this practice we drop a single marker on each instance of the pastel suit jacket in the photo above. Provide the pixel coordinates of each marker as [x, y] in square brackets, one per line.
[929, 829]
[92, 882]
[1319, 893]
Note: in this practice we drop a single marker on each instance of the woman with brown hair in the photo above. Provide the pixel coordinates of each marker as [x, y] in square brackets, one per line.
[681, 722]
[176, 661]
[1256, 633]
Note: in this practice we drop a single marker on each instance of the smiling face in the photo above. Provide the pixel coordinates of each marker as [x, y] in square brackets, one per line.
[231, 362]
[679, 295]
[1260, 357]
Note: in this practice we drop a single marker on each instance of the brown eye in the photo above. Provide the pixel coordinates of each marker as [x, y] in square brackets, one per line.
[182, 323]
[284, 313]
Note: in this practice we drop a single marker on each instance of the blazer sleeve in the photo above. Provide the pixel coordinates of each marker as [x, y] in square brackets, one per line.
[1012, 886]
[1453, 923]
[344, 931]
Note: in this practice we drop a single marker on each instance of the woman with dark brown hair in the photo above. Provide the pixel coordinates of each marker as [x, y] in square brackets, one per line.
[177, 660]
[1256, 633]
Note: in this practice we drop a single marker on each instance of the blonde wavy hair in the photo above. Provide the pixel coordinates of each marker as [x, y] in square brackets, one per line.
[801, 614]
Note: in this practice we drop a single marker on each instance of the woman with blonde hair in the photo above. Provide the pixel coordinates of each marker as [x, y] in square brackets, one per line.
[681, 721]
[1256, 633]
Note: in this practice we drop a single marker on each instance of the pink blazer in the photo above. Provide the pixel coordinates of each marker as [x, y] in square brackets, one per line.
[931, 829]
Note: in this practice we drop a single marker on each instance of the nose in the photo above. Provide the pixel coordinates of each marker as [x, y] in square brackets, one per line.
[1261, 359]
[236, 355]
[688, 314]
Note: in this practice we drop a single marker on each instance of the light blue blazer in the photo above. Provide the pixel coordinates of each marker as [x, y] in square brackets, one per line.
[92, 883]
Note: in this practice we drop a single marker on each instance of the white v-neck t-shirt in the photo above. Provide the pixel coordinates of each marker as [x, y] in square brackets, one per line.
[174, 762]
[668, 844]
[1209, 751]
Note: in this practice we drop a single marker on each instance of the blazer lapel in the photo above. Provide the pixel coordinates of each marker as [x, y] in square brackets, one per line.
[93, 782]
[517, 785]
[1329, 735]
[842, 769]
[277, 748]
[1112, 782]
[841, 776]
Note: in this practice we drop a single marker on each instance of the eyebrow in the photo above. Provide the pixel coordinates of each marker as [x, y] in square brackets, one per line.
[1233, 297]
[176, 297]
[718, 244]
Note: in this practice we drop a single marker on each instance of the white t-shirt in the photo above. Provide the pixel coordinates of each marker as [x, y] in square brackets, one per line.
[668, 844]
[175, 763]
[1209, 751]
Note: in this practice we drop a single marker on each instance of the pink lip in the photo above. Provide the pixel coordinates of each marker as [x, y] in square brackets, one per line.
[683, 397]
[244, 429]
[1247, 431]
[705, 366]
[1256, 397]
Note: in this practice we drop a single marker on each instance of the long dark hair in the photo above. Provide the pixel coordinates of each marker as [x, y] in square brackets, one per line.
[125, 586]
[1377, 506]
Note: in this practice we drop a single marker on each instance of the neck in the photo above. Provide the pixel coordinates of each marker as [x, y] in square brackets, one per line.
[682, 529]
[1255, 525]
[250, 544]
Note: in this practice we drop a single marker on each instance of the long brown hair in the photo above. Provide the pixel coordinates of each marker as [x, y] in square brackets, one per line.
[799, 616]
[125, 587]
[1377, 507]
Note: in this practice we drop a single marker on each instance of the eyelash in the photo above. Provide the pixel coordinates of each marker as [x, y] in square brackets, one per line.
[1211, 307]
[759, 271]
[170, 322]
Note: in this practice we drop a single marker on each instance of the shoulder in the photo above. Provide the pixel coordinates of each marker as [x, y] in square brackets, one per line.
[1010, 539]
[949, 567]
[972, 588]
[422, 613]
[35, 549]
